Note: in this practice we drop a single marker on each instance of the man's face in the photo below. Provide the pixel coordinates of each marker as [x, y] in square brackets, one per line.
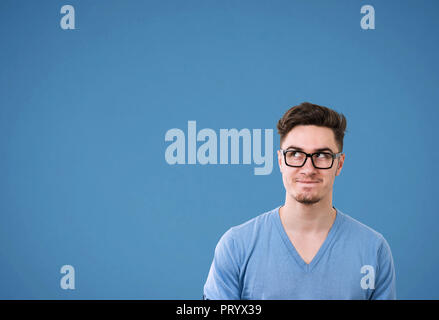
[309, 138]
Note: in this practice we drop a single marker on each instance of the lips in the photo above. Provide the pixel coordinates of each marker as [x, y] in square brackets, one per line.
[307, 181]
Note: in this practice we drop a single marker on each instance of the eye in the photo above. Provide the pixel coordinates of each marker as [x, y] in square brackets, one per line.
[296, 154]
[323, 155]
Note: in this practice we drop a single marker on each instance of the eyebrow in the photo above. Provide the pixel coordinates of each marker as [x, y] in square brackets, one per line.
[316, 150]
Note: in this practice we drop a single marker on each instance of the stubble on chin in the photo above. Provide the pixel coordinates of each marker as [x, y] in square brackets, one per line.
[306, 199]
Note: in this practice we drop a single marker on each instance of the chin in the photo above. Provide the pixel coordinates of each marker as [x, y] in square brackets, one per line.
[307, 199]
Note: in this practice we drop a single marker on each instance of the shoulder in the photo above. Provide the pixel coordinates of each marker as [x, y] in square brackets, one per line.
[243, 235]
[253, 226]
[360, 232]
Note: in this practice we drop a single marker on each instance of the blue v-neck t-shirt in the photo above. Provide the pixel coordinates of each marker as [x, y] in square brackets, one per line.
[256, 260]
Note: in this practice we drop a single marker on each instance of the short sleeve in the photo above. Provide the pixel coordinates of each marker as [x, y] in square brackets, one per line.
[223, 280]
[385, 281]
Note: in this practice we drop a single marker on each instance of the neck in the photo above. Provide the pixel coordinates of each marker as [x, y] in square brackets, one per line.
[307, 218]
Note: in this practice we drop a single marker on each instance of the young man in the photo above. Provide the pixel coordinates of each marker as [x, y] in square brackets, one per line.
[307, 248]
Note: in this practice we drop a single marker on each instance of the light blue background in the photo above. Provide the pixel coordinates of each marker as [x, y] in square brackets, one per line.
[83, 116]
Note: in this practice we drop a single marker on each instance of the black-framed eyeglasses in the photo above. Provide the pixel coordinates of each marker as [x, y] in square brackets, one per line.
[320, 160]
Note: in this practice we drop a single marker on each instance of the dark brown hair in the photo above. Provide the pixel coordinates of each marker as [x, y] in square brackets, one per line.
[311, 114]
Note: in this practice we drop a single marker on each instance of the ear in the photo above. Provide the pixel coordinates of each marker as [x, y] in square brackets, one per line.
[340, 163]
[280, 159]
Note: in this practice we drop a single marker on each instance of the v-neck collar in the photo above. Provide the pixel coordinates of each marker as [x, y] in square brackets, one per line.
[329, 238]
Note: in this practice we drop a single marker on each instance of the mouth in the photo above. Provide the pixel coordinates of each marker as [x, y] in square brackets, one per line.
[308, 183]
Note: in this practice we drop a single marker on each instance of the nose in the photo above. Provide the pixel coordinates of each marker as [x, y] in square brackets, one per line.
[308, 166]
